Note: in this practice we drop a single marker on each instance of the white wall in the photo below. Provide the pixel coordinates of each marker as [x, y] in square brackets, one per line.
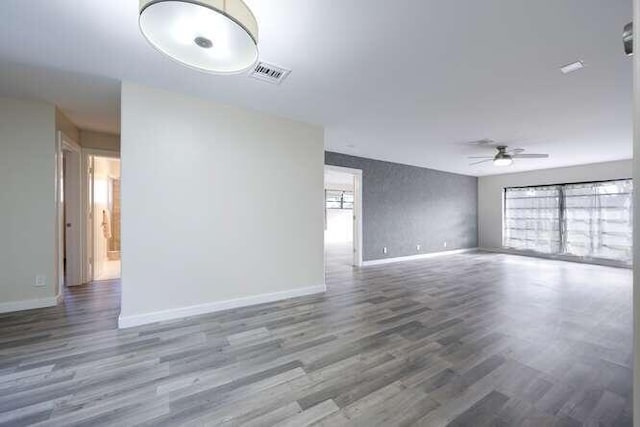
[205, 191]
[27, 203]
[67, 127]
[490, 191]
[99, 140]
[636, 218]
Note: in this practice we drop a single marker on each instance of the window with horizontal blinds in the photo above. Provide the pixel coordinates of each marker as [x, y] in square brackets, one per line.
[592, 220]
[598, 220]
[532, 219]
[338, 199]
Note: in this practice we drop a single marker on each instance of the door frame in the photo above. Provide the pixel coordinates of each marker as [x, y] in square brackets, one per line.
[87, 205]
[65, 143]
[357, 209]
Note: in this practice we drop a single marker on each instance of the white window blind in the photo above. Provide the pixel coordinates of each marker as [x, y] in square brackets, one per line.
[532, 219]
[598, 220]
[338, 199]
[591, 220]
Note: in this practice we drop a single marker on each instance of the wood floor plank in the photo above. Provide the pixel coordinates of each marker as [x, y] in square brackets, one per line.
[310, 415]
[469, 339]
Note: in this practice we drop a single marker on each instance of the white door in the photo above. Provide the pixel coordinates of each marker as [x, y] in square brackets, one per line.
[90, 262]
[357, 220]
[72, 217]
[69, 228]
[98, 199]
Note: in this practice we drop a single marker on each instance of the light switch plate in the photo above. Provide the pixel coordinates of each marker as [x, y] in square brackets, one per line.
[41, 280]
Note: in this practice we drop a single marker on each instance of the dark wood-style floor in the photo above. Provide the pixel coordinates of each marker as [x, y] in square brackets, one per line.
[474, 339]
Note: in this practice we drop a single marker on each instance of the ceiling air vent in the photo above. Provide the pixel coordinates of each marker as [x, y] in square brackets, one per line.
[269, 73]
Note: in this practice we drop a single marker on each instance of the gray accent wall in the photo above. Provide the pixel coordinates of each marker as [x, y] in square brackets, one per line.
[405, 206]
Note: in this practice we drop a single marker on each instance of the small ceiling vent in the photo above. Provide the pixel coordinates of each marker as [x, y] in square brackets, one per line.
[269, 73]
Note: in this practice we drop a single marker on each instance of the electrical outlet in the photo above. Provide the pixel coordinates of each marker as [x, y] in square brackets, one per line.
[445, 244]
[418, 248]
[384, 250]
[41, 280]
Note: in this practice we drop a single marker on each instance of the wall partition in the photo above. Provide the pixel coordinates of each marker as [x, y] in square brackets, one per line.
[206, 224]
[589, 220]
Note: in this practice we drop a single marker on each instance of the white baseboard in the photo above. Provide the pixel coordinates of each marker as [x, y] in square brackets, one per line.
[8, 307]
[558, 257]
[416, 257]
[195, 310]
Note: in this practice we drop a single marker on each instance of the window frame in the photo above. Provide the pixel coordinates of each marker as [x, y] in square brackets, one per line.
[562, 227]
[342, 201]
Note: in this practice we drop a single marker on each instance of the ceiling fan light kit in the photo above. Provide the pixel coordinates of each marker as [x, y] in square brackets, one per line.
[505, 157]
[503, 161]
[215, 36]
[502, 158]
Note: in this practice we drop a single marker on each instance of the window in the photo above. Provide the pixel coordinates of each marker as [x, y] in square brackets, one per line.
[336, 199]
[347, 200]
[598, 220]
[532, 219]
[591, 220]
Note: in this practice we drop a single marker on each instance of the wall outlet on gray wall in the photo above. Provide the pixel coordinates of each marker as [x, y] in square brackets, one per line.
[384, 250]
[41, 280]
[417, 248]
[445, 244]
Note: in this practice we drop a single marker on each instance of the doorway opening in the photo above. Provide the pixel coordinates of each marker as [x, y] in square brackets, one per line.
[343, 217]
[104, 217]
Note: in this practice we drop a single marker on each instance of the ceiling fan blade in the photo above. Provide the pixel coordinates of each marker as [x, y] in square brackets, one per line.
[482, 142]
[515, 151]
[480, 157]
[530, 156]
[481, 161]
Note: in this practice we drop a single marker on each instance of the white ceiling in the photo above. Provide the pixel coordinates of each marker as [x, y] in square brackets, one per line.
[92, 102]
[408, 81]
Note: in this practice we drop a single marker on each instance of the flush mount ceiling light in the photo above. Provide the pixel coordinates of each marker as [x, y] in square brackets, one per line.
[216, 36]
[570, 68]
[505, 160]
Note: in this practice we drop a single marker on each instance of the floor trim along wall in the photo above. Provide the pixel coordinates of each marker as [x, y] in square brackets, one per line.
[8, 307]
[195, 310]
[567, 258]
[415, 257]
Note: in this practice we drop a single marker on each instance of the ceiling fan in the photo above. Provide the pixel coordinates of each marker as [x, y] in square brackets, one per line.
[505, 157]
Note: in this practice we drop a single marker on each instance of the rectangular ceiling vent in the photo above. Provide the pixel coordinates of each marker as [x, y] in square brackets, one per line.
[269, 73]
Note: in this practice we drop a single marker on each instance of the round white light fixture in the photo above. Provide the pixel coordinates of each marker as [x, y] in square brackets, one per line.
[216, 36]
[504, 160]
